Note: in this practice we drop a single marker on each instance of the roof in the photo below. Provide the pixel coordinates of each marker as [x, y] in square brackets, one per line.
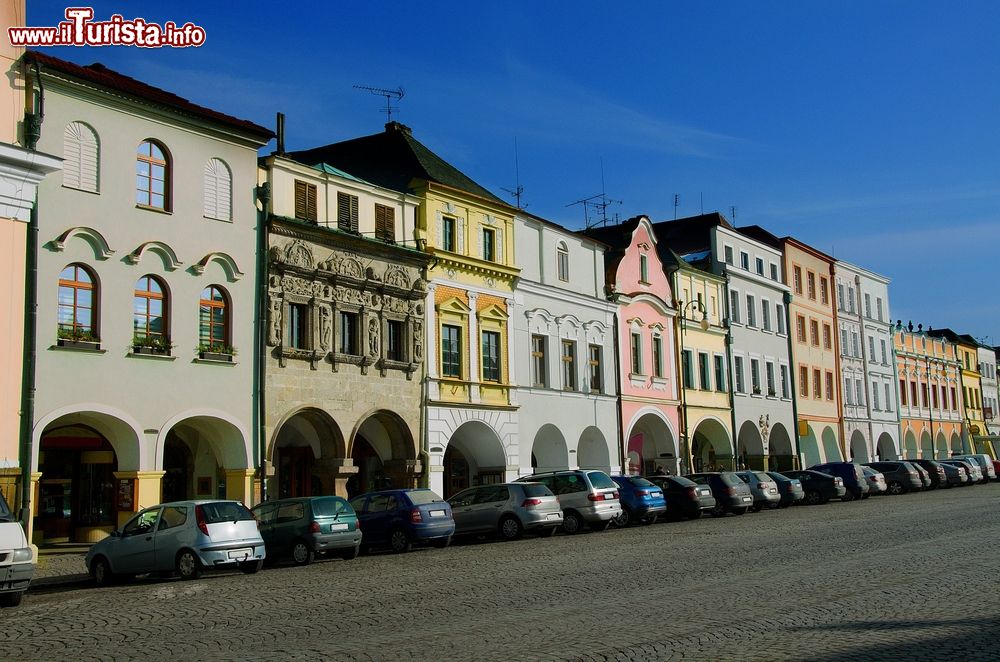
[392, 159]
[617, 238]
[330, 170]
[765, 237]
[952, 336]
[100, 75]
[692, 234]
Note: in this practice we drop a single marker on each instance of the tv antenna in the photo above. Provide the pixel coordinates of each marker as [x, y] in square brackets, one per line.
[518, 190]
[389, 95]
[732, 213]
[598, 204]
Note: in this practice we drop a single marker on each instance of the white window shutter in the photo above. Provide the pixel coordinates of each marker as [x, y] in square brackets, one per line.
[460, 224]
[498, 240]
[218, 190]
[80, 154]
[440, 231]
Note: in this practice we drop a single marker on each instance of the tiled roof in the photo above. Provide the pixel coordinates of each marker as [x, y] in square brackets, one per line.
[98, 74]
[392, 159]
[691, 234]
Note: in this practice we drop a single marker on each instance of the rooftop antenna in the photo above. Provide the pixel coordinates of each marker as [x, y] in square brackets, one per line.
[599, 204]
[389, 95]
[518, 189]
[732, 213]
[677, 202]
[702, 195]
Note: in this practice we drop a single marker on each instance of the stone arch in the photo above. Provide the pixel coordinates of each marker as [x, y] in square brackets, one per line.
[779, 446]
[102, 251]
[751, 446]
[831, 449]
[926, 445]
[859, 447]
[210, 444]
[592, 451]
[650, 442]
[887, 447]
[548, 450]
[711, 449]
[910, 445]
[307, 451]
[121, 430]
[475, 456]
[227, 263]
[941, 445]
[957, 446]
[383, 451]
[810, 447]
[166, 253]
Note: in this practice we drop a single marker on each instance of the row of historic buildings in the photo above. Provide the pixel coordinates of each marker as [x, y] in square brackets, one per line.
[199, 321]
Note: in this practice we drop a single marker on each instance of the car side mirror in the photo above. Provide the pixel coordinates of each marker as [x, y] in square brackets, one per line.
[116, 533]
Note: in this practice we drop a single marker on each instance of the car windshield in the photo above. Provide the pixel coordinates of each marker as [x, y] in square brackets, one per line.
[639, 481]
[779, 478]
[601, 480]
[536, 490]
[329, 507]
[225, 511]
[421, 497]
[5, 514]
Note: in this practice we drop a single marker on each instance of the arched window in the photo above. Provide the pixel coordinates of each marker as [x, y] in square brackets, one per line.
[562, 261]
[152, 176]
[77, 304]
[218, 193]
[213, 331]
[149, 313]
[81, 151]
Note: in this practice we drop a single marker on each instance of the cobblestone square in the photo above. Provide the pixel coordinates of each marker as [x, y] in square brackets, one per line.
[910, 577]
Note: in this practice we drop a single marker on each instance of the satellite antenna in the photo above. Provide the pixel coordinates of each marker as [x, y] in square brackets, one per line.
[389, 95]
[518, 189]
[599, 203]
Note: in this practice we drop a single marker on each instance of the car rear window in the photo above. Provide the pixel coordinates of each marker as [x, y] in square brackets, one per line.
[421, 497]
[779, 478]
[226, 511]
[329, 506]
[682, 481]
[731, 479]
[761, 476]
[639, 481]
[536, 490]
[600, 480]
[5, 514]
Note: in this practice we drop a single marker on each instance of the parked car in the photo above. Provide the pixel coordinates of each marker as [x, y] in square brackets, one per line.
[641, 500]
[900, 477]
[587, 497]
[819, 487]
[183, 536]
[506, 509]
[935, 470]
[17, 559]
[985, 463]
[957, 476]
[925, 478]
[684, 498]
[971, 467]
[303, 527]
[401, 518]
[852, 476]
[996, 467]
[790, 489]
[763, 488]
[731, 494]
[876, 481]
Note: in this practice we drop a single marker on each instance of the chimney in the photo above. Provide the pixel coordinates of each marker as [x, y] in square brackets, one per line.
[281, 134]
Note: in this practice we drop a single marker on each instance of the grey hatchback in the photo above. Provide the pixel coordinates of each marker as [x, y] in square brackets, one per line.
[507, 509]
[305, 526]
[585, 496]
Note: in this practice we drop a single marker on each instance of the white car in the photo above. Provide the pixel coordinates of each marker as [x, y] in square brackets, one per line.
[17, 558]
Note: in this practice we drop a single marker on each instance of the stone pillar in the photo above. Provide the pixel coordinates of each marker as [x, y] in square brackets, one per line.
[334, 473]
[511, 362]
[148, 491]
[240, 485]
[431, 351]
[402, 473]
[473, 348]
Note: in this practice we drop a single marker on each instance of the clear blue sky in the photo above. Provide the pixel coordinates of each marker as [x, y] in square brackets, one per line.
[865, 128]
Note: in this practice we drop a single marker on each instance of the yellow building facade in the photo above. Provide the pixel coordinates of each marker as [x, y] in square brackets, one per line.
[931, 409]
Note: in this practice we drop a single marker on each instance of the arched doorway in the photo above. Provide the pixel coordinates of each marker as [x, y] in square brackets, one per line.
[957, 448]
[831, 449]
[205, 457]
[592, 452]
[751, 447]
[548, 450]
[779, 446]
[810, 447]
[910, 445]
[307, 455]
[710, 447]
[859, 447]
[926, 446]
[941, 446]
[383, 452]
[474, 456]
[178, 467]
[886, 447]
[650, 446]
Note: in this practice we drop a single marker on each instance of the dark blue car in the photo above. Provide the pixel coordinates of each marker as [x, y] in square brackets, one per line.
[399, 519]
[852, 475]
[641, 500]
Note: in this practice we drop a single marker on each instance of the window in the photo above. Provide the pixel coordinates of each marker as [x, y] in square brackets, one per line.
[811, 285]
[784, 381]
[213, 329]
[840, 296]
[395, 335]
[687, 368]
[751, 311]
[875, 397]
[596, 369]
[923, 394]
[81, 157]
[657, 355]
[800, 328]
[850, 300]
[769, 378]
[704, 373]
[738, 374]
[844, 346]
[878, 308]
[848, 392]
[297, 325]
[888, 398]
[755, 375]
[149, 313]
[804, 381]
[868, 305]
[913, 394]
[859, 390]
[779, 313]
[449, 235]
[759, 264]
[218, 191]
[451, 351]
[934, 396]
[827, 340]
[871, 348]
[854, 345]
[643, 269]
[720, 373]
[745, 260]
[491, 356]
[152, 176]
[734, 309]
[569, 365]
[305, 201]
[77, 304]
[774, 272]
[385, 223]
[636, 354]
[489, 244]
[814, 332]
[538, 372]
[817, 384]
[824, 290]
[729, 255]
[954, 401]
[347, 212]
[765, 314]
[562, 262]
[347, 333]
[829, 385]
[902, 392]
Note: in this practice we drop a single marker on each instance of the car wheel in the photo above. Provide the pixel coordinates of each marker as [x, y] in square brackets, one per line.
[739, 511]
[757, 507]
[718, 510]
[302, 553]
[11, 599]
[646, 521]
[100, 570]
[812, 498]
[251, 567]
[510, 528]
[399, 542]
[572, 523]
[623, 518]
[441, 543]
[848, 496]
[350, 553]
[895, 487]
[188, 566]
[600, 526]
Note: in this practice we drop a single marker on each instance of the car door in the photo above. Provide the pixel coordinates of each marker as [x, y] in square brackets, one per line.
[171, 535]
[288, 524]
[134, 552]
[375, 522]
[265, 523]
[488, 505]
[462, 510]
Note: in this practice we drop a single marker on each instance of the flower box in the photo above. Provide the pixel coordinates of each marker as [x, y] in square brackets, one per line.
[215, 356]
[79, 344]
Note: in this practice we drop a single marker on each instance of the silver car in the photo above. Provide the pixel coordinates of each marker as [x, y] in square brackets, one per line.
[586, 496]
[182, 536]
[763, 488]
[985, 463]
[507, 509]
[876, 481]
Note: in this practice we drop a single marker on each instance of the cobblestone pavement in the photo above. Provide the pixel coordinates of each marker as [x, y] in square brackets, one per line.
[903, 578]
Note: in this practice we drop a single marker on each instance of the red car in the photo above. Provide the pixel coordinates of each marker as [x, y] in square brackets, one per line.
[996, 467]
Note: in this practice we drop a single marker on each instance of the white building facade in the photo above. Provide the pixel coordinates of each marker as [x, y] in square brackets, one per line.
[988, 370]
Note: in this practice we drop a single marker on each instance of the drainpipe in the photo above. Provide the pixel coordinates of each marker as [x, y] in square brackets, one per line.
[260, 339]
[787, 298]
[895, 376]
[729, 370]
[28, 368]
[864, 363]
[618, 385]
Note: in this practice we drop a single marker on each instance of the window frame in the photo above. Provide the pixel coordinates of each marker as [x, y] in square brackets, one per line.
[491, 340]
[77, 330]
[456, 352]
[211, 303]
[153, 163]
[148, 296]
[567, 358]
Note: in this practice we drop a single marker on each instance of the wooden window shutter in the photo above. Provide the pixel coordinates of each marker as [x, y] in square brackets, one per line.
[347, 212]
[305, 201]
[354, 214]
[385, 223]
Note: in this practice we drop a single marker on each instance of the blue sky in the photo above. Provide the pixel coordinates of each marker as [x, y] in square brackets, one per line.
[867, 129]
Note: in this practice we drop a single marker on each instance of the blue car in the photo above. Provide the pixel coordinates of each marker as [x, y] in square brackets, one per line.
[399, 519]
[641, 500]
[852, 475]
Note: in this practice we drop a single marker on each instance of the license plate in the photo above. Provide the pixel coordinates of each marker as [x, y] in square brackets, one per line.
[748, 498]
[338, 527]
[705, 492]
[656, 495]
[772, 491]
[236, 554]
[436, 513]
[552, 516]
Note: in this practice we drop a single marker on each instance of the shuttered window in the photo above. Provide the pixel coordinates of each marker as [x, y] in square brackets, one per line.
[218, 190]
[347, 212]
[305, 201]
[385, 223]
[80, 157]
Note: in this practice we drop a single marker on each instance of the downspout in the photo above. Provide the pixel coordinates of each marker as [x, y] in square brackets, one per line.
[864, 364]
[895, 376]
[679, 363]
[260, 339]
[967, 444]
[791, 375]
[729, 370]
[618, 385]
